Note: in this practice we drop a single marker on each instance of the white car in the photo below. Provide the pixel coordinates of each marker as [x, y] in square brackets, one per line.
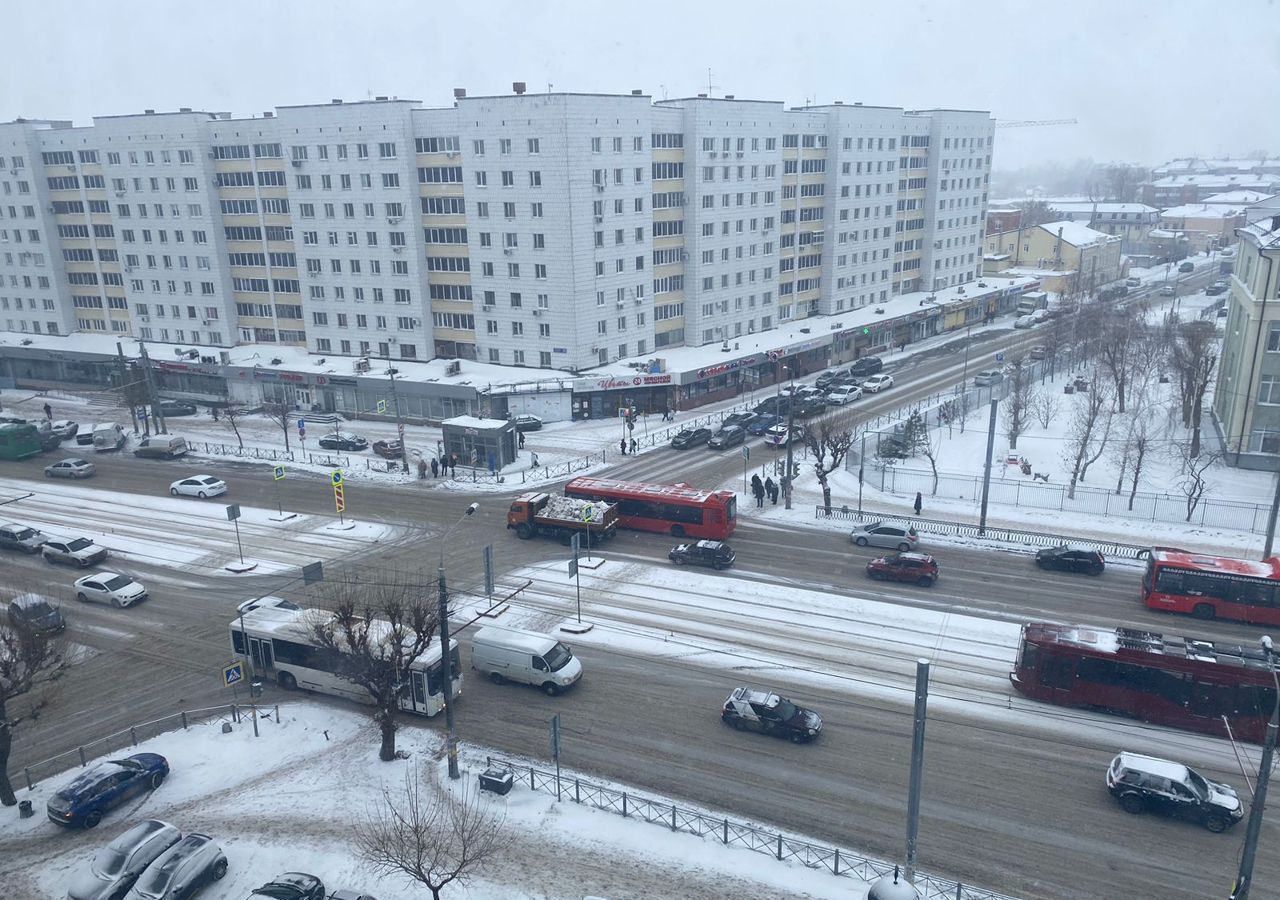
[201, 486]
[110, 587]
[843, 395]
[877, 383]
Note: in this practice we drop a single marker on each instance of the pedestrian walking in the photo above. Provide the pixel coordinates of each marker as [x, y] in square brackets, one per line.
[757, 490]
[919, 502]
[771, 488]
[48, 412]
[435, 468]
[422, 469]
[634, 445]
[521, 433]
[622, 445]
[453, 465]
[534, 454]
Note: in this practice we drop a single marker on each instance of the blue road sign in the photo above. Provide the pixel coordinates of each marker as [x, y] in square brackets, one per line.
[232, 674]
[999, 357]
[302, 424]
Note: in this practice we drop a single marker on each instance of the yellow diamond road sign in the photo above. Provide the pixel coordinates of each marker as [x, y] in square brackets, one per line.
[277, 473]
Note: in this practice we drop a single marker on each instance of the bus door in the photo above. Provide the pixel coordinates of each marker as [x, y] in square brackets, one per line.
[1058, 675]
[413, 696]
[1209, 703]
[260, 653]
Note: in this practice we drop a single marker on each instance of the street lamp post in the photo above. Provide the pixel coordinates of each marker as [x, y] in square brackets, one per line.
[446, 658]
[791, 424]
[1244, 879]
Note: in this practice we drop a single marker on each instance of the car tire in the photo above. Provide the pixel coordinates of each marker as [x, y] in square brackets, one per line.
[287, 681]
[173, 491]
[219, 869]
[497, 678]
[48, 474]
[860, 541]
[925, 581]
[1041, 564]
[1096, 571]
[523, 531]
[904, 547]
[1216, 824]
[93, 818]
[156, 780]
[81, 597]
[798, 738]
[551, 689]
[678, 560]
[83, 563]
[717, 566]
[1203, 611]
[117, 603]
[1132, 804]
[202, 495]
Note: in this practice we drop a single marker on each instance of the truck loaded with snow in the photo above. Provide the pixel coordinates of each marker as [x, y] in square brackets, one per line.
[538, 513]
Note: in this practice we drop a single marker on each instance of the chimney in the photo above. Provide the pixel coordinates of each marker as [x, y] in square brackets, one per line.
[268, 115]
[703, 96]
[728, 96]
[184, 109]
[636, 92]
[459, 93]
[857, 103]
[150, 112]
[335, 100]
[839, 103]
[380, 98]
[518, 87]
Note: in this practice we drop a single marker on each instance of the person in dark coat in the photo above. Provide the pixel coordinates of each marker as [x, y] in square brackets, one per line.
[635, 444]
[757, 489]
[435, 469]
[771, 489]
[48, 412]
[453, 465]
[521, 433]
[919, 502]
[422, 469]
[622, 445]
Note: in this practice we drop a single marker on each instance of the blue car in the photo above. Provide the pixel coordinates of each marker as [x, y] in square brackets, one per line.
[763, 423]
[104, 787]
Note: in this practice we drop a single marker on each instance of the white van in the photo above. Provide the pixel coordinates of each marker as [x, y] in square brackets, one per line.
[507, 654]
[109, 436]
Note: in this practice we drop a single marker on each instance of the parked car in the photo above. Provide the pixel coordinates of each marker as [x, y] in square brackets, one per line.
[824, 381]
[110, 587]
[730, 436]
[71, 468]
[917, 568]
[1039, 351]
[894, 535]
[741, 419]
[989, 377]
[1218, 287]
[775, 405]
[100, 789]
[748, 709]
[778, 435]
[1168, 290]
[1133, 281]
[388, 449]
[65, 428]
[175, 408]
[1187, 266]
[201, 486]
[808, 406]
[344, 440]
[33, 613]
[161, 446]
[1042, 315]
[868, 365]
[21, 537]
[841, 395]
[527, 422]
[877, 383]
[85, 438]
[117, 866]
[1071, 559]
[690, 437]
[762, 423]
[292, 886]
[1023, 322]
[716, 554]
[79, 551]
[182, 871]
[1149, 784]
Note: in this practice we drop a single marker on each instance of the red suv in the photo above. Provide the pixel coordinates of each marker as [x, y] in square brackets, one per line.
[919, 568]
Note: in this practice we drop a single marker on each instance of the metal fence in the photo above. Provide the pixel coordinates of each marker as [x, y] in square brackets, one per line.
[737, 834]
[319, 459]
[129, 737]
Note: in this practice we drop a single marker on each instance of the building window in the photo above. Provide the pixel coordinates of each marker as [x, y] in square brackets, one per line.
[1269, 390]
[1273, 337]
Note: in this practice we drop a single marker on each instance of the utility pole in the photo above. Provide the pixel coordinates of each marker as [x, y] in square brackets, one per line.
[862, 462]
[986, 469]
[1244, 878]
[125, 385]
[156, 414]
[917, 766]
[791, 424]
[446, 656]
[1271, 520]
[395, 400]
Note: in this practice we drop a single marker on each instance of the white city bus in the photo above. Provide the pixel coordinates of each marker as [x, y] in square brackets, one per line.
[276, 636]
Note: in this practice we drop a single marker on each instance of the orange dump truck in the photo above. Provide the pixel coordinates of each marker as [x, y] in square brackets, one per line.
[538, 513]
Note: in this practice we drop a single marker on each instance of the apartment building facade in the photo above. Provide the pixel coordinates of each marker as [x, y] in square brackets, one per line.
[560, 231]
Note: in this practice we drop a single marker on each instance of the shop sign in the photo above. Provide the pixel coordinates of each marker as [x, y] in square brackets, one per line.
[733, 365]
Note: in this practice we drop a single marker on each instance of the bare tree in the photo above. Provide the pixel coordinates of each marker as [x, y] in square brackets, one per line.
[1018, 402]
[1194, 356]
[1036, 212]
[281, 413]
[1123, 181]
[1139, 446]
[232, 414]
[829, 443]
[1195, 464]
[378, 624]
[30, 664]
[928, 445]
[1046, 407]
[1103, 438]
[1081, 438]
[432, 840]
[1114, 346]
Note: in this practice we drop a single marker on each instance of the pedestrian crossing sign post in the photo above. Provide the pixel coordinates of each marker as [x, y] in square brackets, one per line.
[339, 495]
[233, 674]
[277, 473]
[382, 407]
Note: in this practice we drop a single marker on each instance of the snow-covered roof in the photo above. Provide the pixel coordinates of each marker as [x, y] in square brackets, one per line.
[1262, 182]
[1033, 272]
[1239, 198]
[1077, 234]
[475, 422]
[1099, 207]
[1200, 211]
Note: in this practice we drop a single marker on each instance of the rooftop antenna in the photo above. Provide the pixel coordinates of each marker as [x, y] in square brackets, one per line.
[549, 87]
[710, 87]
[664, 91]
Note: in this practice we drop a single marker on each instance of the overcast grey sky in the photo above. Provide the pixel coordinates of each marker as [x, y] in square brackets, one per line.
[1148, 81]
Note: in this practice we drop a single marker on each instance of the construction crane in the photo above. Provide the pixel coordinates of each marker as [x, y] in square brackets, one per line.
[1036, 123]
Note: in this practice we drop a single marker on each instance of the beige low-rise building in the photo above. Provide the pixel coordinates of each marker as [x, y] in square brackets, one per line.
[1204, 225]
[1082, 258]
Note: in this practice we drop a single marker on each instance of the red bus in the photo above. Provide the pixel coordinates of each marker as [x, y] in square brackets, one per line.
[675, 509]
[1179, 682]
[1213, 586]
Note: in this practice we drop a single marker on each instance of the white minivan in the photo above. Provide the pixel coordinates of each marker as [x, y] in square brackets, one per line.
[508, 654]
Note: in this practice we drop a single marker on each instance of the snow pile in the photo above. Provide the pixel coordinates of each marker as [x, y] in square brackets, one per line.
[559, 507]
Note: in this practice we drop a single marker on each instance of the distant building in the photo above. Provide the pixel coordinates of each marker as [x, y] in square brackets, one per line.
[1082, 258]
[1174, 190]
[1204, 226]
[1131, 222]
[1246, 401]
[1003, 219]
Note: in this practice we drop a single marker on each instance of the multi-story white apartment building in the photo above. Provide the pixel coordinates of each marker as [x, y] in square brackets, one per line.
[556, 231]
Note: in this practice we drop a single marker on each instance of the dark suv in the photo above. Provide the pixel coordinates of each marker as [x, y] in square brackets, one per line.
[31, 612]
[917, 568]
[691, 437]
[104, 787]
[868, 365]
[729, 436]
[1148, 784]
[1071, 559]
[716, 554]
[748, 709]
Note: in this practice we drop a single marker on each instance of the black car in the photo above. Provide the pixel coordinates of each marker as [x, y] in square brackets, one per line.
[748, 709]
[1071, 559]
[344, 440]
[1215, 289]
[175, 408]
[691, 437]
[388, 449]
[729, 436]
[1149, 784]
[808, 406]
[104, 787]
[742, 419]
[716, 554]
[527, 423]
[775, 405]
[292, 886]
[868, 365]
[31, 612]
[826, 380]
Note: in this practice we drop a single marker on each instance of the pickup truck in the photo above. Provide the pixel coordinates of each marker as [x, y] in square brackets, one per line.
[538, 513]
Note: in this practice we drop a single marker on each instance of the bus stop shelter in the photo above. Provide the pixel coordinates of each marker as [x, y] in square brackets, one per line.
[486, 444]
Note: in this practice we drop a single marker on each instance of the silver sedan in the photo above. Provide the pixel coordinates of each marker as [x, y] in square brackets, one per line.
[71, 468]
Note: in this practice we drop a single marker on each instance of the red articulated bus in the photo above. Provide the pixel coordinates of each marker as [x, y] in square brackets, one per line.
[1179, 682]
[675, 509]
[1210, 587]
